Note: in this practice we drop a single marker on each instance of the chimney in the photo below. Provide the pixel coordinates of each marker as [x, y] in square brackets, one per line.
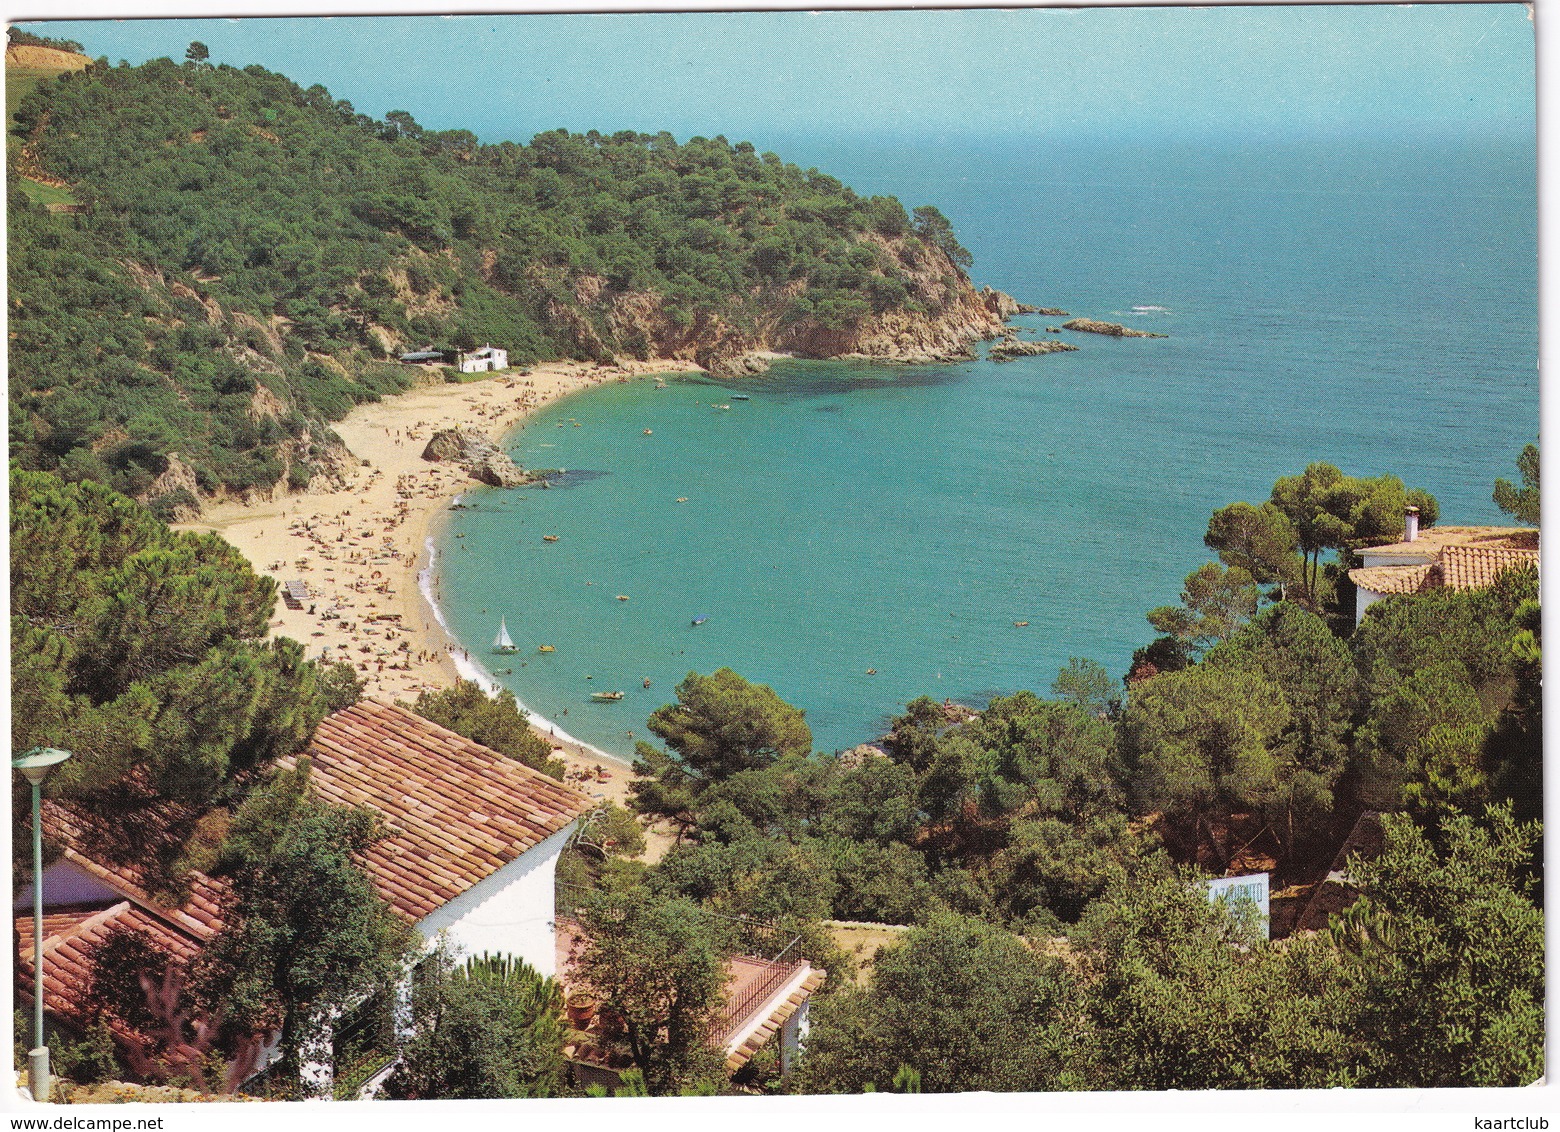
[1410, 524]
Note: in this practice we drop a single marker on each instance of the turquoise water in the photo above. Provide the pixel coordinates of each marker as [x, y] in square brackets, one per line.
[1370, 303]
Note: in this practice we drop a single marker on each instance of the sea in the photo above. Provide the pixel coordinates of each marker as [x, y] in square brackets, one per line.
[855, 535]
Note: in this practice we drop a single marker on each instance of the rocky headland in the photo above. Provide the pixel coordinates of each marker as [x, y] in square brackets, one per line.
[945, 317]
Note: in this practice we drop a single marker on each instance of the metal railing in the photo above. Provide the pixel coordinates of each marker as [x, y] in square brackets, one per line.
[740, 1010]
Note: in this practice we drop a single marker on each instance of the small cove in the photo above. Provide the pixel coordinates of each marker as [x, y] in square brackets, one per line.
[851, 516]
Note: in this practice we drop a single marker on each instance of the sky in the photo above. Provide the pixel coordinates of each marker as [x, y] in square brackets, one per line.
[1079, 72]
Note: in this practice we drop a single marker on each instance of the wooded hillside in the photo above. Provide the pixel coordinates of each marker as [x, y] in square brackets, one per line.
[229, 260]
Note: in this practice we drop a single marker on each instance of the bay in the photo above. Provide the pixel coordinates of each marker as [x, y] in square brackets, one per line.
[1368, 301]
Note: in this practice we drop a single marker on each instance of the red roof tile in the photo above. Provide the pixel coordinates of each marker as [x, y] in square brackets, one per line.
[69, 969]
[97, 845]
[1475, 567]
[1395, 579]
[455, 811]
[1456, 563]
[776, 1019]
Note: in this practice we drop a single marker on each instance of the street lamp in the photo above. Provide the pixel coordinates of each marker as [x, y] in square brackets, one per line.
[35, 766]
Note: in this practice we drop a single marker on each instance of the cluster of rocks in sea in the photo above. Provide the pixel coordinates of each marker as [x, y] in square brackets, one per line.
[1114, 329]
[477, 454]
[1012, 347]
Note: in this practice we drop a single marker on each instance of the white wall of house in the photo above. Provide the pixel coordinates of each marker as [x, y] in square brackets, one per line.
[483, 360]
[509, 912]
[1363, 600]
[65, 883]
[792, 1035]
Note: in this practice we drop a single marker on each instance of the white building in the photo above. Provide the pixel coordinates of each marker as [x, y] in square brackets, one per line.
[1458, 558]
[485, 360]
[473, 836]
[472, 840]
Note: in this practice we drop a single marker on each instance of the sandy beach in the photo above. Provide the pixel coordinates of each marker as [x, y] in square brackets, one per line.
[359, 549]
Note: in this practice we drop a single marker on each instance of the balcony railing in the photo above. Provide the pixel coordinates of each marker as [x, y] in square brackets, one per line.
[742, 1007]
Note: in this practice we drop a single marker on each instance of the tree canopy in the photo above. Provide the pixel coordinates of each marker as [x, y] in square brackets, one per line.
[494, 721]
[1521, 502]
[143, 651]
[485, 1027]
[246, 257]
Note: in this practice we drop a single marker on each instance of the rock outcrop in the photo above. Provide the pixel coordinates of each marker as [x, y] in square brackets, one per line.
[1010, 348]
[177, 482]
[477, 454]
[1114, 329]
[943, 319]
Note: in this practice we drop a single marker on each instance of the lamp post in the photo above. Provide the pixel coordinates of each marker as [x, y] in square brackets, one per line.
[35, 766]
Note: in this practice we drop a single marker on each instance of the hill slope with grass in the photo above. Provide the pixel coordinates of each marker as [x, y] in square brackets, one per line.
[242, 260]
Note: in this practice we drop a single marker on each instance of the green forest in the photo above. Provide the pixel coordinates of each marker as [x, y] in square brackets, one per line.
[1038, 861]
[216, 262]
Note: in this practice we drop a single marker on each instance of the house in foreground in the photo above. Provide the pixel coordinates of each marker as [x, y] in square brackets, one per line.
[473, 839]
[471, 845]
[1456, 558]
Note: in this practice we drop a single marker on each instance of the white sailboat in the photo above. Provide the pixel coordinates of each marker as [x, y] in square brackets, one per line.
[502, 643]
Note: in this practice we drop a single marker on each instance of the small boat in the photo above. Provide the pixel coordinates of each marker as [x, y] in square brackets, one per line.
[1019, 624]
[740, 397]
[701, 619]
[606, 697]
[502, 643]
[549, 538]
[648, 432]
[545, 648]
[622, 597]
[647, 681]
[872, 672]
[682, 499]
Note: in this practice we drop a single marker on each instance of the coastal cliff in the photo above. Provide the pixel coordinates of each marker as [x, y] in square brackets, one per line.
[942, 316]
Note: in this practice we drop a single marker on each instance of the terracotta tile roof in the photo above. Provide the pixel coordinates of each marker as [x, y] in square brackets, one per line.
[776, 1019]
[102, 847]
[1475, 567]
[1395, 579]
[1432, 539]
[1455, 567]
[68, 967]
[455, 811]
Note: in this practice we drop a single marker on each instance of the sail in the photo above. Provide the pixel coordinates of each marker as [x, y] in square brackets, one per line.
[502, 641]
